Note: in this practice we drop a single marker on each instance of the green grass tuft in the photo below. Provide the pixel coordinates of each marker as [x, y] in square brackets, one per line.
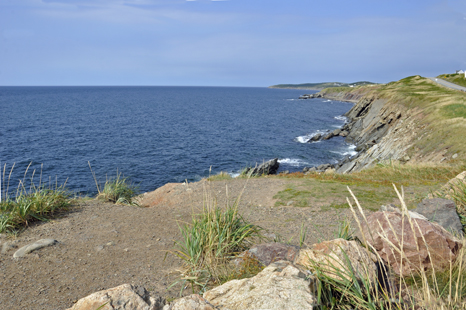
[38, 203]
[119, 190]
[212, 238]
[220, 176]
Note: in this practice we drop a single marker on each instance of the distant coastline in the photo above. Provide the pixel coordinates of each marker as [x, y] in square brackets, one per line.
[321, 86]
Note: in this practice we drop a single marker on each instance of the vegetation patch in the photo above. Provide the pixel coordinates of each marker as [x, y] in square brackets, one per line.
[341, 287]
[38, 203]
[457, 79]
[210, 241]
[454, 110]
[220, 176]
[118, 189]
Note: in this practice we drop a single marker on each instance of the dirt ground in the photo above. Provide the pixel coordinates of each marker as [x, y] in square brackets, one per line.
[102, 245]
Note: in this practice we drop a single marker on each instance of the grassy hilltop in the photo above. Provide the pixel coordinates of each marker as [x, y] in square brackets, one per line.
[320, 86]
[438, 112]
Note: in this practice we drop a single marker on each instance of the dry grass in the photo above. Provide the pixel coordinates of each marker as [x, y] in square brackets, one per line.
[435, 289]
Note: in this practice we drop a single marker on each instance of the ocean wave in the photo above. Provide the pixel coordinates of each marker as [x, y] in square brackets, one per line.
[341, 118]
[305, 138]
[350, 151]
[293, 162]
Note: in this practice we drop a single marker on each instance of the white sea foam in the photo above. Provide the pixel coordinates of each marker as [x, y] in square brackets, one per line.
[234, 174]
[293, 162]
[305, 138]
[341, 118]
[328, 101]
[349, 151]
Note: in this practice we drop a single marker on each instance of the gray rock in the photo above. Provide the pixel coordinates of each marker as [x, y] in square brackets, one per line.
[336, 132]
[454, 156]
[281, 285]
[267, 253]
[266, 168]
[316, 137]
[191, 302]
[344, 133]
[442, 211]
[34, 246]
[305, 169]
[123, 297]
[328, 136]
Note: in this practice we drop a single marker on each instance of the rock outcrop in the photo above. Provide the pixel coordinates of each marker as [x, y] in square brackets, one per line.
[123, 297]
[191, 302]
[441, 211]
[279, 286]
[424, 244]
[340, 258]
[266, 168]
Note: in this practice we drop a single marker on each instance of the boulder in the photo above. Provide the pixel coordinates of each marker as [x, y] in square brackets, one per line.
[123, 297]
[267, 253]
[344, 133]
[34, 246]
[316, 137]
[440, 246]
[191, 302]
[328, 136]
[266, 168]
[279, 286]
[337, 257]
[442, 211]
[336, 132]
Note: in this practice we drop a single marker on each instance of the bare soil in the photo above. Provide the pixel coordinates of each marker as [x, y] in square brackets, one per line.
[102, 245]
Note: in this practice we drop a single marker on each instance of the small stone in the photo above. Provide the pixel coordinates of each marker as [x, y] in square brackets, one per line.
[99, 248]
[454, 156]
[110, 243]
[34, 246]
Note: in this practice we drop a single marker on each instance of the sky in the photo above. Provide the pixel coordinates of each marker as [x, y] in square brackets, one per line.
[227, 43]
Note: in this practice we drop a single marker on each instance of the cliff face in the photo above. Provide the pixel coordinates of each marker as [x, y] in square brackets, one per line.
[381, 130]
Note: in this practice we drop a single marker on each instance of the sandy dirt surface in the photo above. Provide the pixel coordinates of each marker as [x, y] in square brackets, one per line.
[102, 245]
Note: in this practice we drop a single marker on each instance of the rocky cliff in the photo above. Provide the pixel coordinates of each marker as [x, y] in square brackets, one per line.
[386, 125]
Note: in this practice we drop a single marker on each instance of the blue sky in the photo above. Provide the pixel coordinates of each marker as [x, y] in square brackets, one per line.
[227, 43]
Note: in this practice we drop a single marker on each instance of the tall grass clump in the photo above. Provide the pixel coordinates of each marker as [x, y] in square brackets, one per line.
[341, 288]
[118, 190]
[31, 202]
[213, 237]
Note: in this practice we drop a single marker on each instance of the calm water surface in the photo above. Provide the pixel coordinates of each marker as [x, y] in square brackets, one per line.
[157, 135]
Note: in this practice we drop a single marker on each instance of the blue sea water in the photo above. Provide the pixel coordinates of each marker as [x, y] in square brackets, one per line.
[156, 135]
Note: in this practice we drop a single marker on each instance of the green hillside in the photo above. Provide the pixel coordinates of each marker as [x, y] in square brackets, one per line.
[320, 86]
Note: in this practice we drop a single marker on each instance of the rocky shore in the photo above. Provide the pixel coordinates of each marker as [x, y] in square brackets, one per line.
[380, 129]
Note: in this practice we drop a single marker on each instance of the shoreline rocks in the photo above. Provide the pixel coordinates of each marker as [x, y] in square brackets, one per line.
[266, 168]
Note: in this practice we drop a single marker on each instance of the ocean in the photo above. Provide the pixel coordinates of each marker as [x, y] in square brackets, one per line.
[156, 135]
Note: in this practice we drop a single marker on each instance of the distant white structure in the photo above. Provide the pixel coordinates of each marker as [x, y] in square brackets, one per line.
[460, 71]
